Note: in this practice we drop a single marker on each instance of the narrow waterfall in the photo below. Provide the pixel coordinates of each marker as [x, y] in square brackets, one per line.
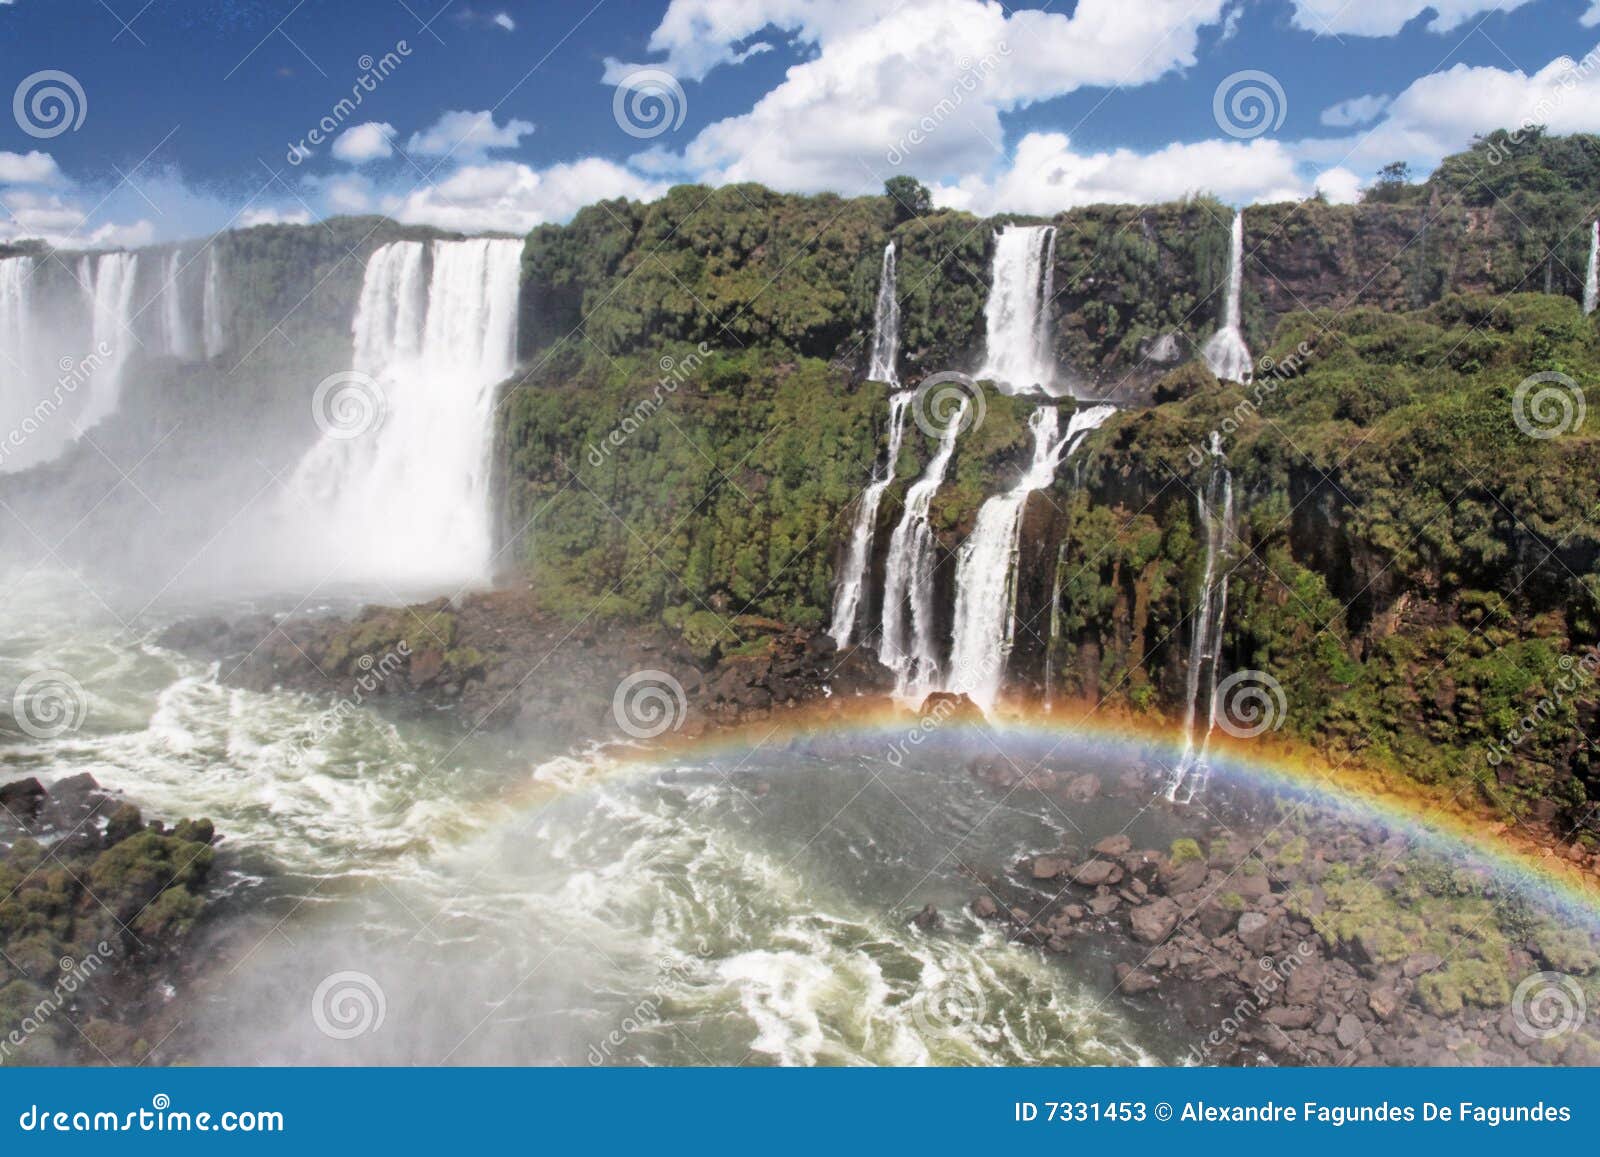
[177, 332]
[1017, 315]
[1214, 506]
[847, 598]
[212, 324]
[909, 646]
[986, 567]
[886, 325]
[1226, 354]
[108, 282]
[1591, 283]
[1055, 631]
[399, 486]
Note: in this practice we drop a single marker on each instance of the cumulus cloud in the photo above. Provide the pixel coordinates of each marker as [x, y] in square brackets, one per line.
[467, 135]
[1339, 186]
[1358, 110]
[365, 142]
[509, 197]
[34, 168]
[503, 20]
[1387, 17]
[267, 215]
[1592, 17]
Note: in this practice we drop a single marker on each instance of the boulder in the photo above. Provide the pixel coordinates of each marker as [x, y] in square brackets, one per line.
[1186, 877]
[1253, 931]
[1154, 922]
[1349, 1032]
[1133, 980]
[984, 908]
[928, 919]
[1114, 846]
[1082, 788]
[1047, 868]
[1093, 873]
[1103, 905]
[1305, 982]
[21, 798]
[1290, 1015]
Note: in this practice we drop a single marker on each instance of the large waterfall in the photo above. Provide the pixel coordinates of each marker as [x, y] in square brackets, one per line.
[847, 598]
[399, 487]
[177, 329]
[886, 325]
[910, 646]
[1226, 354]
[1591, 282]
[986, 568]
[1017, 316]
[108, 282]
[1214, 506]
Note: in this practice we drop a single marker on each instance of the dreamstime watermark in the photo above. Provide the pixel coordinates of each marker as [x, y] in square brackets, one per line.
[347, 1005]
[1548, 102]
[1575, 675]
[348, 404]
[1250, 703]
[646, 1012]
[1275, 975]
[1249, 103]
[649, 102]
[74, 373]
[972, 76]
[373, 73]
[649, 703]
[75, 974]
[948, 404]
[49, 103]
[949, 1008]
[1548, 1004]
[374, 674]
[1548, 405]
[1270, 374]
[675, 371]
[49, 704]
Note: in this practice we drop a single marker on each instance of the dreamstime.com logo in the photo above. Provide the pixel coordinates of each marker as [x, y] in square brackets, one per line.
[49, 704]
[1249, 103]
[649, 703]
[348, 404]
[49, 103]
[347, 1005]
[75, 975]
[373, 72]
[950, 1008]
[649, 102]
[1548, 1004]
[1548, 405]
[1250, 703]
[947, 403]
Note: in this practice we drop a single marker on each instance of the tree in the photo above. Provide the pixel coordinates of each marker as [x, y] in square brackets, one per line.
[910, 196]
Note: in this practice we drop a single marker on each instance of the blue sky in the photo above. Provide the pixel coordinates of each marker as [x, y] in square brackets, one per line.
[505, 114]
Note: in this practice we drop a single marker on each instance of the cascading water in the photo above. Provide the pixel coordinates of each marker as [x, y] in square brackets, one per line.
[108, 281]
[212, 324]
[886, 325]
[176, 330]
[909, 645]
[402, 492]
[1225, 354]
[1017, 315]
[1055, 631]
[1591, 282]
[847, 599]
[986, 568]
[1214, 505]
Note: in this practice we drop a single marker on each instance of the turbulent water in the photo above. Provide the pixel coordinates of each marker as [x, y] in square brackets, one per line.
[502, 904]
[1591, 281]
[986, 567]
[1017, 313]
[398, 490]
[1225, 354]
[858, 555]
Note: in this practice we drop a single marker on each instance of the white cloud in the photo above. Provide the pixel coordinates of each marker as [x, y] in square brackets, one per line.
[1358, 110]
[504, 20]
[1339, 185]
[1592, 17]
[510, 197]
[266, 215]
[63, 224]
[365, 142]
[1387, 17]
[34, 168]
[467, 135]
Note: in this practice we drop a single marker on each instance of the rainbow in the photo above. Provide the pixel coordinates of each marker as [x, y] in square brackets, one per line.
[1448, 826]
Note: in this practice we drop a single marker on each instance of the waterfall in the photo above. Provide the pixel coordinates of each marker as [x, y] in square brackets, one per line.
[886, 325]
[216, 334]
[108, 283]
[847, 599]
[1017, 315]
[1226, 354]
[1055, 631]
[176, 331]
[986, 567]
[1591, 283]
[1214, 505]
[909, 646]
[400, 486]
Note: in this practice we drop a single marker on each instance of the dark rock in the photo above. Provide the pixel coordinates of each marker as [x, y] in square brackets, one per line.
[21, 798]
[124, 822]
[1213, 919]
[928, 919]
[1133, 980]
[951, 706]
[984, 908]
[1185, 877]
[1305, 982]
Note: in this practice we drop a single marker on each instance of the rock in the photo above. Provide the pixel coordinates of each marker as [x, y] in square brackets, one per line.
[1251, 887]
[21, 798]
[1118, 845]
[1383, 1002]
[946, 706]
[928, 919]
[1186, 877]
[1419, 962]
[1253, 930]
[1214, 920]
[1047, 868]
[1349, 1031]
[1082, 788]
[1305, 982]
[1103, 905]
[1155, 921]
[1328, 1024]
[1290, 1015]
[984, 908]
[1073, 911]
[1133, 981]
[1093, 873]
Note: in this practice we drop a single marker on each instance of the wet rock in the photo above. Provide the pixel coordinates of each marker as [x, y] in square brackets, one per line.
[1305, 982]
[1133, 980]
[1290, 1015]
[984, 908]
[1082, 788]
[1104, 905]
[1214, 920]
[1185, 877]
[951, 707]
[1154, 922]
[1093, 873]
[20, 799]
[1047, 868]
[1114, 846]
[928, 919]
